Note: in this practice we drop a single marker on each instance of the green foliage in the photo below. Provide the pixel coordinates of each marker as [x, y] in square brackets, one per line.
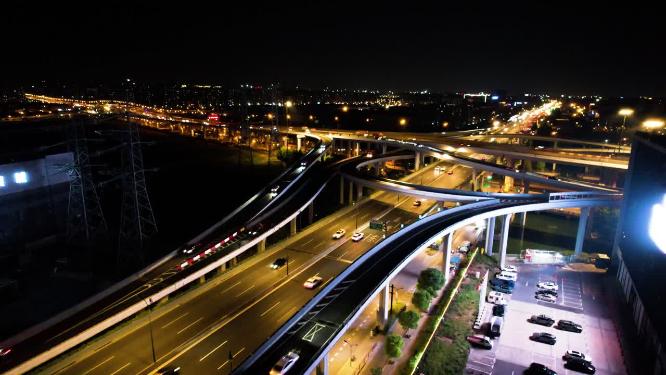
[376, 371]
[408, 319]
[422, 299]
[431, 278]
[393, 347]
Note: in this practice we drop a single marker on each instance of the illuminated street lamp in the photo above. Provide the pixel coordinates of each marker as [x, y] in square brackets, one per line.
[403, 121]
[653, 124]
[288, 104]
[345, 109]
[624, 112]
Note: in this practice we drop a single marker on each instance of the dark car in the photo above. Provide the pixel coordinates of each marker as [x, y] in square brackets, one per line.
[539, 369]
[502, 289]
[568, 325]
[546, 291]
[543, 337]
[580, 365]
[543, 320]
[499, 310]
[169, 371]
[279, 262]
[480, 341]
[504, 283]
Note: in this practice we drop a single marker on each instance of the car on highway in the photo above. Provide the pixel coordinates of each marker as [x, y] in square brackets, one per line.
[417, 203]
[449, 172]
[580, 365]
[543, 337]
[543, 320]
[339, 234]
[545, 298]
[189, 249]
[357, 236]
[480, 341]
[549, 285]
[169, 370]
[568, 325]
[539, 369]
[571, 354]
[4, 352]
[312, 282]
[285, 363]
[499, 310]
[279, 263]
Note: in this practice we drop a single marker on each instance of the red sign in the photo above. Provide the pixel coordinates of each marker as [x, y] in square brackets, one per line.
[213, 117]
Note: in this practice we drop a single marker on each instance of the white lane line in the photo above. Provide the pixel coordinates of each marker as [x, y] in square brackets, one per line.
[229, 288]
[233, 356]
[189, 325]
[269, 309]
[243, 292]
[238, 352]
[175, 320]
[99, 364]
[120, 369]
[211, 352]
[224, 364]
[308, 241]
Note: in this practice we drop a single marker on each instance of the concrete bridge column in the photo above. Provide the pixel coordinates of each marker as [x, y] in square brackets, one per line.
[233, 262]
[490, 235]
[322, 367]
[447, 257]
[359, 192]
[384, 148]
[504, 239]
[383, 309]
[292, 226]
[342, 190]
[378, 166]
[202, 279]
[351, 192]
[475, 181]
[298, 143]
[582, 226]
[554, 166]
[222, 268]
[417, 161]
[311, 212]
[357, 149]
[526, 186]
[261, 246]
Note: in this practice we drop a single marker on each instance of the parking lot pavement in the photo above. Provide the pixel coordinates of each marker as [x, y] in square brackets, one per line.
[577, 301]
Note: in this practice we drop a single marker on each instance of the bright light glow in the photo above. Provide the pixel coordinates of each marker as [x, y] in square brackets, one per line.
[345, 108]
[2, 181]
[653, 124]
[403, 121]
[288, 104]
[625, 112]
[21, 177]
[657, 224]
[496, 124]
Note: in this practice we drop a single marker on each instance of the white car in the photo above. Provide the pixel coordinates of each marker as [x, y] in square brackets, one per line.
[357, 236]
[576, 354]
[505, 276]
[513, 269]
[546, 298]
[312, 282]
[284, 364]
[339, 234]
[548, 285]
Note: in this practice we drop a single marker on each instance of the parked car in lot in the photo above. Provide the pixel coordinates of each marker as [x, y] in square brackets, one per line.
[499, 310]
[539, 369]
[502, 289]
[549, 285]
[339, 234]
[464, 246]
[507, 276]
[580, 365]
[312, 282]
[510, 268]
[545, 298]
[497, 298]
[285, 363]
[568, 325]
[504, 283]
[495, 329]
[544, 337]
[546, 291]
[543, 320]
[357, 236]
[480, 341]
[574, 354]
[278, 263]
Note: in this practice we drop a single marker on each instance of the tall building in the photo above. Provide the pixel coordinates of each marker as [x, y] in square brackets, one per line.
[640, 249]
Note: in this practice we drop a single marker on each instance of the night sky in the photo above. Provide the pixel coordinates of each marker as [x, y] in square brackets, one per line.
[547, 47]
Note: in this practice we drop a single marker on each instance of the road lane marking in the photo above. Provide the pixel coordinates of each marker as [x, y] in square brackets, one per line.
[99, 364]
[243, 292]
[189, 325]
[224, 364]
[238, 352]
[269, 309]
[120, 369]
[229, 288]
[232, 357]
[211, 352]
[175, 320]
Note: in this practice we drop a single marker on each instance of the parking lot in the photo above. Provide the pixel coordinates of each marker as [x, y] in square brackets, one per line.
[579, 300]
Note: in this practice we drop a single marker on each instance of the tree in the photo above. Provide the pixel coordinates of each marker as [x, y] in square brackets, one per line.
[408, 319]
[422, 299]
[394, 344]
[431, 278]
[376, 371]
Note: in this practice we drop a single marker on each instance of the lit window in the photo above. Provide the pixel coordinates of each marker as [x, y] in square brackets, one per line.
[21, 177]
[2, 181]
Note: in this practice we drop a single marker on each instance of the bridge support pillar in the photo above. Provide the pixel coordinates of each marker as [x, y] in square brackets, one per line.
[554, 166]
[359, 192]
[417, 161]
[351, 192]
[383, 308]
[233, 262]
[526, 186]
[298, 143]
[490, 235]
[292, 226]
[322, 367]
[222, 268]
[357, 149]
[504, 239]
[384, 148]
[342, 190]
[311, 212]
[475, 180]
[582, 226]
[202, 279]
[447, 257]
[378, 166]
[261, 246]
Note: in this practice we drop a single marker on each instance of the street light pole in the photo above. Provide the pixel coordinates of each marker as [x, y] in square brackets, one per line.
[150, 325]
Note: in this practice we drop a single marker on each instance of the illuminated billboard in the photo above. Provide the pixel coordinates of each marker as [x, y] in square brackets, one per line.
[657, 225]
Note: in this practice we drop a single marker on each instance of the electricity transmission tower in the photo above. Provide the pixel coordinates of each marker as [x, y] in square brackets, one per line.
[137, 221]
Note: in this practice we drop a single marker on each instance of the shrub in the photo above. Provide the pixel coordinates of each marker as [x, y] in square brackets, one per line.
[394, 344]
[422, 299]
[408, 319]
[431, 278]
